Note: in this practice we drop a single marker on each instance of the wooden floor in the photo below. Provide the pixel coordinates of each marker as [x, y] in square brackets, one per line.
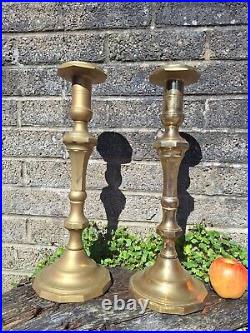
[24, 310]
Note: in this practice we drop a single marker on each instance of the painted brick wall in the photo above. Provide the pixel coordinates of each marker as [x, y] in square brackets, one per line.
[128, 40]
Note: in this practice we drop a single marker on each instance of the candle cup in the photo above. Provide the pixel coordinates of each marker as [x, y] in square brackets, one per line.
[75, 277]
[167, 286]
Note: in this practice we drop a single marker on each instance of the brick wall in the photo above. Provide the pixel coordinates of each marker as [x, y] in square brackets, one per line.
[128, 40]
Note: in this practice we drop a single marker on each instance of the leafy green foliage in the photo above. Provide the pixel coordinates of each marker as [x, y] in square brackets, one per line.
[48, 260]
[122, 248]
[202, 246]
[131, 251]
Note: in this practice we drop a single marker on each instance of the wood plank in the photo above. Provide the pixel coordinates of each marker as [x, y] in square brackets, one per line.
[24, 310]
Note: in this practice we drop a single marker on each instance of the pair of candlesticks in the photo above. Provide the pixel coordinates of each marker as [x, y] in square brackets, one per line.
[75, 277]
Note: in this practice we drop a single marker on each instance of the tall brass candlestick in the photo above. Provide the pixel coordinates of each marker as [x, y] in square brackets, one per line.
[75, 277]
[167, 285]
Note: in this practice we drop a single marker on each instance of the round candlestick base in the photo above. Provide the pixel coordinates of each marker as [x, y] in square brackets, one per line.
[72, 278]
[169, 288]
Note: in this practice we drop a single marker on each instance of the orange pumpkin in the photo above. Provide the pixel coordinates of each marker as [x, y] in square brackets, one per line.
[228, 277]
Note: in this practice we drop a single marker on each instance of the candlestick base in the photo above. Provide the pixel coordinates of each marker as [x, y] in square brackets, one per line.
[169, 288]
[72, 278]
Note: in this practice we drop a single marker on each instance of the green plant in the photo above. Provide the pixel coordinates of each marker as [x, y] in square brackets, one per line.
[202, 246]
[122, 248]
[48, 260]
[131, 251]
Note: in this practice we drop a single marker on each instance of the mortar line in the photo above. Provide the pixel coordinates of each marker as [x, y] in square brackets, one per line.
[207, 50]
[106, 49]
[151, 224]
[152, 130]
[152, 25]
[97, 31]
[133, 63]
[19, 118]
[133, 162]
[127, 192]
[28, 246]
[197, 95]
[230, 229]
[137, 224]
[104, 221]
[7, 271]
[205, 113]
[128, 98]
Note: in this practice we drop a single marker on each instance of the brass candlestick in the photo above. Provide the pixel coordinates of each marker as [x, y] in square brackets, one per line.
[75, 277]
[167, 285]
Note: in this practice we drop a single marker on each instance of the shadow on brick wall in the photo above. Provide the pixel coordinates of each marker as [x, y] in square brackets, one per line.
[115, 150]
[192, 157]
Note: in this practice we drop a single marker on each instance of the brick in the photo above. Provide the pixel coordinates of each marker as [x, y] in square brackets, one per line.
[47, 113]
[27, 143]
[32, 201]
[14, 229]
[56, 174]
[54, 203]
[9, 113]
[203, 179]
[214, 211]
[74, 16]
[228, 44]
[215, 146]
[122, 147]
[220, 77]
[238, 235]
[108, 113]
[227, 113]
[48, 174]
[113, 204]
[12, 172]
[160, 45]
[218, 147]
[31, 82]
[42, 81]
[26, 257]
[127, 80]
[53, 48]
[217, 77]
[31, 17]
[11, 280]
[47, 231]
[201, 13]
[206, 180]
[223, 147]
[141, 113]
[213, 180]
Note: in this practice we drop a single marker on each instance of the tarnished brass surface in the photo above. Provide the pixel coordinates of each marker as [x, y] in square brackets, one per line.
[75, 277]
[167, 285]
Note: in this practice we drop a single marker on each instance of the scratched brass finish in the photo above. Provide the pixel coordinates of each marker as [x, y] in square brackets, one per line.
[75, 277]
[167, 285]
